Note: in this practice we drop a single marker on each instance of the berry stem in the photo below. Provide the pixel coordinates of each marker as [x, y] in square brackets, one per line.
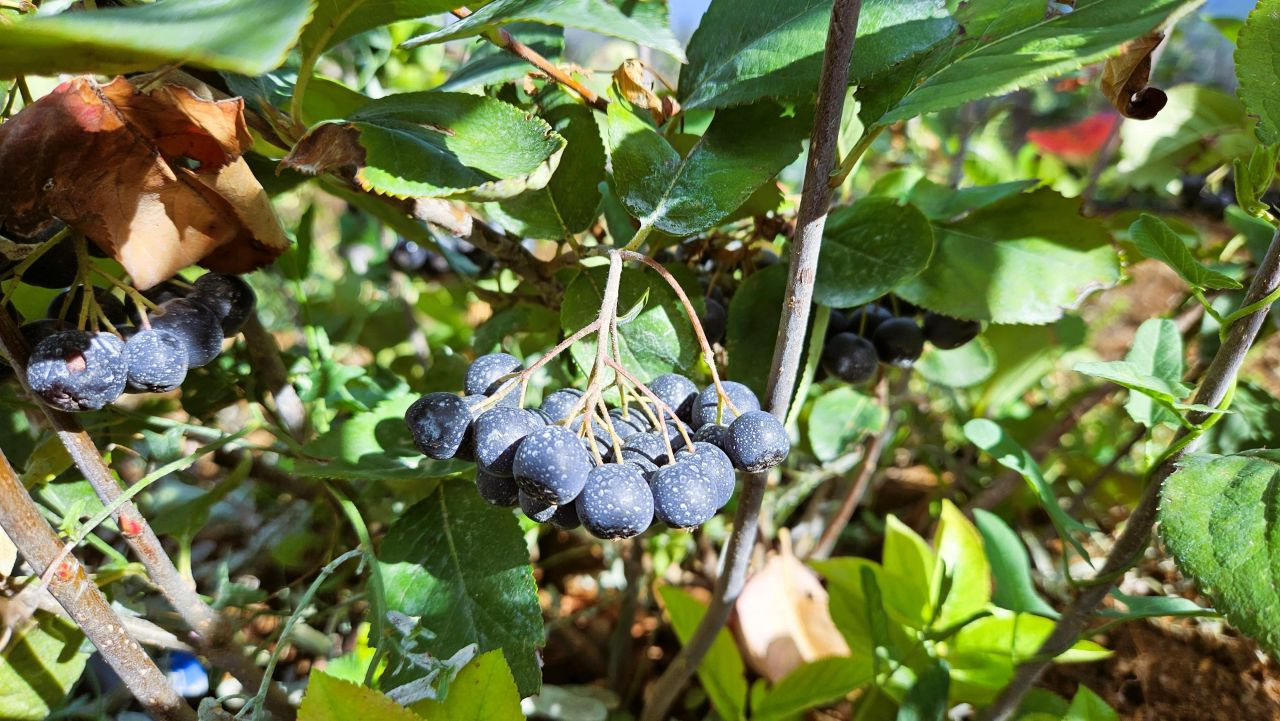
[810, 221]
[681, 428]
[524, 375]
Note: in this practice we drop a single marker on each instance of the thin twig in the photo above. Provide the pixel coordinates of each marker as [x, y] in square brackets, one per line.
[866, 471]
[264, 355]
[812, 217]
[1219, 380]
[214, 632]
[83, 602]
[507, 41]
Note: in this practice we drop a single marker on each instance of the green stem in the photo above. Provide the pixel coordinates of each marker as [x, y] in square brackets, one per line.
[851, 160]
[1208, 308]
[640, 237]
[1250, 309]
[379, 592]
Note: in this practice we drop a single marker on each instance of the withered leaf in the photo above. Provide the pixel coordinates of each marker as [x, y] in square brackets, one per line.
[156, 179]
[630, 79]
[1125, 77]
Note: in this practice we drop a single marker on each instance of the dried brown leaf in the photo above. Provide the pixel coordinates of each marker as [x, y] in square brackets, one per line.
[631, 81]
[1125, 77]
[155, 179]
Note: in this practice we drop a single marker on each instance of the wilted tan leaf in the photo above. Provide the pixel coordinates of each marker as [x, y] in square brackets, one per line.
[155, 179]
[784, 619]
[630, 77]
[1125, 77]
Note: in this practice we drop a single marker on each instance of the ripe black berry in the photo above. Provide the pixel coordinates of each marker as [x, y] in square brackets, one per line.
[945, 332]
[866, 319]
[193, 324]
[899, 342]
[156, 361]
[715, 466]
[551, 465]
[68, 304]
[498, 433]
[647, 449]
[74, 370]
[704, 406]
[497, 490]
[566, 517]
[409, 257]
[466, 450]
[484, 372]
[57, 267]
[850, 357]
[677, 392]
[439, 423]
[716, 435]
[757, 442]
[616, 502]
[714, 320]
[228, 296]
[683, 496]
[559, 404]
[535, 509]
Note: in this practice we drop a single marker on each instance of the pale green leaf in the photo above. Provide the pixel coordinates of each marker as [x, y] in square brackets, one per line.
[332, 699]
[337, 20]
[598, 16]
[1010, 566]
[570, 202]
[984, 653]
[1257, 63]
[1024, 259]
[721, 671]
[461, 566]
[1156, 351]
[840, 419]
[963, 367]
[439, 145]
[746, 50]
[243, 36]
[658, 340]
[813, 684]
[1088, 706]
[482, 691]
[1218, 519]
[682, 195]
[38, 668]
[1163, 391]
[991, 438]
[961, 555]
[868, 249]
[909, 575]
[1155, 239]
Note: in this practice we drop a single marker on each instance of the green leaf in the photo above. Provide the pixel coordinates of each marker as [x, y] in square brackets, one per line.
[983, 654]
[483, 691]
[909, 575]
[689, 194]
[1155, 239]
[926, 700]
[1024, 259]
[1156, 351]
[332, 699]
[597, 16]
[1218, 519]
[38, 667]
[243, 36]
[337, 20]
[1257, 57]
[991, 438]
[754, 314]
[1011, 567]
[968, 365]
[868, 249]
[840, 419]
[813, 684]
[942, 203]
[658, 340]
[1005, 56]
[1198, 130]
[1161, 390]
[746, 50]
[489, 64]
[1153, 607]
[961, 556]
[1088, 706]
[461, 566]
[570, 203]
[438, 145]
[849, 600]
[721, 671]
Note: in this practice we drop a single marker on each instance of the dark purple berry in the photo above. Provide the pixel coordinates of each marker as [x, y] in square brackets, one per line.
[75, 370]
[899, 342]
[866, 319]
[68, 304]
[536, 509]
[566, 517]
[616, 502]
[683, 497]
[486, 370]
[498, 433]
[714, 320]
[705, 405]
[497, 490]
[677, 392]
[757, 442]
[194, 325]
[850, 357]
[559, 404]
[946, 333]
[551, 465]
[156, 360]
[229, 297]
[715, 466]
[439, 423]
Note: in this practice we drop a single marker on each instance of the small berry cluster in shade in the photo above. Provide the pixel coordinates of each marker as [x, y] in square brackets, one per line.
[860, 339]
[77, 369]
[562, 464]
